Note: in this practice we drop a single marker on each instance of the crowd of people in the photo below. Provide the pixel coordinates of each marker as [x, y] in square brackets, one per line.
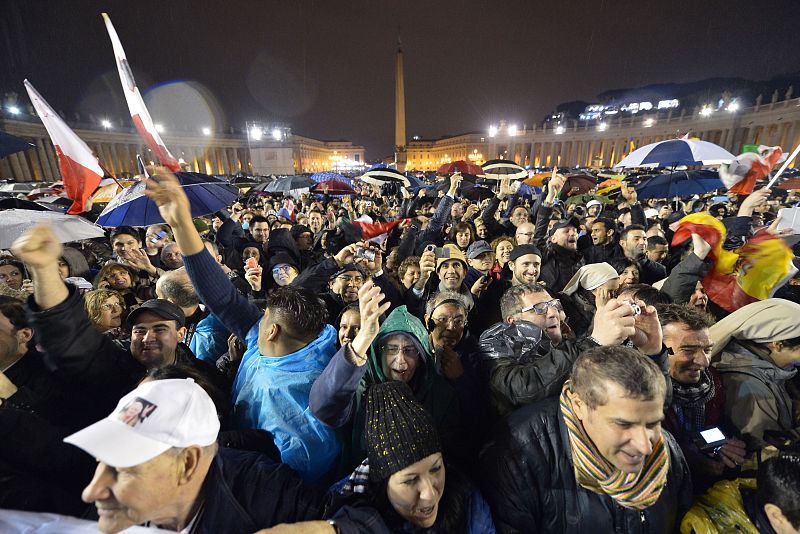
[453, 366]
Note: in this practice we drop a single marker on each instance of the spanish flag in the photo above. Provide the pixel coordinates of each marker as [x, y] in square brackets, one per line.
[752, 273]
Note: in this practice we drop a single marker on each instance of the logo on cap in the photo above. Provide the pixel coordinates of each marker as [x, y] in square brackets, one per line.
[136, 411]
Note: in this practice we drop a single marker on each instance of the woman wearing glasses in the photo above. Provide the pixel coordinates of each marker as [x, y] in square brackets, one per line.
[106, 309]
[398, 350]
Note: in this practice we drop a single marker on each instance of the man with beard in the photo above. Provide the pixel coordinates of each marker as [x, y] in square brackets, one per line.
[698, 397]
[604, 247]
[560, 256]
[526, 357]
[633, 242]
[525, 262]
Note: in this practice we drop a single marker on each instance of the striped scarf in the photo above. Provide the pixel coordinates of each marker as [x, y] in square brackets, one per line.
[594, 473]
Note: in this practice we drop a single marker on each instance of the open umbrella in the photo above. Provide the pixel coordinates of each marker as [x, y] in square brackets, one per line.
[324, 176]
[382, 175]
[679, 184]
[464, 167]
[537, 180]
[20, 204]
[675, 152]
[477, 193]
[578, 184]
[497, 169]
[14, 222]
[790, 184]
[284, 184]
[332, 187]
[11, 144]
[17, 187]
[131, 208]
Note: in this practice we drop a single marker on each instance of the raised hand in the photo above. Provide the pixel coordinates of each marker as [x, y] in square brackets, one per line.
[165, 190]
[754, 200]
[613, 323]
[455, 181]
[505, 188]
[554, 187]
[371, 307]
[648, 336]
[427, 265]
[38, 247]
[138, 259]
[253, 277]
[629, 194]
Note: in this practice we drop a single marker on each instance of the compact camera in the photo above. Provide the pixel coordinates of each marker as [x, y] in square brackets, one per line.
[365, 253]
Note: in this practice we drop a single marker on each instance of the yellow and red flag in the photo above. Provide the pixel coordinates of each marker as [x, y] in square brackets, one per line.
[752, 273]
[79, 167]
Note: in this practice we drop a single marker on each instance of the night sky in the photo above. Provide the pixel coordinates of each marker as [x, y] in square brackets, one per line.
[326, 68]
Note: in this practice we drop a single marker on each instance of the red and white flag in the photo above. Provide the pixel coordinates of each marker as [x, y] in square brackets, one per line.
[139, 114]
[79, 167]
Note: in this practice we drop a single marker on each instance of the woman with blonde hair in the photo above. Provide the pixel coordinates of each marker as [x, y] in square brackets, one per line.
[106, 309]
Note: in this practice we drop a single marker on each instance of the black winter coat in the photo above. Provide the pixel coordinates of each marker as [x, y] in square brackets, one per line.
[529, 480]
[520, 368]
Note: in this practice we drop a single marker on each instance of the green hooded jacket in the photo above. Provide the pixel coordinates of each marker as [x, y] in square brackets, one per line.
[432, 390]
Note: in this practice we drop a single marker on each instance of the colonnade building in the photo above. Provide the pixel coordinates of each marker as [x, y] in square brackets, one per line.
[220, 154]
[598, 145]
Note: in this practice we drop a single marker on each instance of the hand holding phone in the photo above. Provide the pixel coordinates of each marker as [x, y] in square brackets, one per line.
[251, 263]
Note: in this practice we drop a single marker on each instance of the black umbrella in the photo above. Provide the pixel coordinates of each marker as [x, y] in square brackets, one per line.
[10, 144]
[497, 169]
[284, 184]
[381, 175]
[20, 204]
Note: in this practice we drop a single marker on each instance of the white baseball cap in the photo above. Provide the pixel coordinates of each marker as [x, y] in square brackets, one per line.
[154, 417]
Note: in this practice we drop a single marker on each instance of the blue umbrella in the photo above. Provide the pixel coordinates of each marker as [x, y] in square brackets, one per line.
[679, 184]
[676, 152]
[10, 144]
[131, 208]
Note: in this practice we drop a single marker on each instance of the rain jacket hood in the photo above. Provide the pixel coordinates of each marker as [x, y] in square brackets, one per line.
[269, 393]
[400, 321]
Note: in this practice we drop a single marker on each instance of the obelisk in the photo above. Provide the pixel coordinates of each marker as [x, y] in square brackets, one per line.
[399, 112]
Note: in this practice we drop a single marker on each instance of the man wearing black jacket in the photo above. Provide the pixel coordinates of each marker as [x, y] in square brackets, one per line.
[593, 460]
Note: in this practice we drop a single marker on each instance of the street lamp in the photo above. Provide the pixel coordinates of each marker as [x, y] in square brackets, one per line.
[733, 107]
[602, 127]
[512, 130]
[706, 111]
[206, 130]
[648, 122]
[159, 128]
[277, 134]
[14, 110]
[559, 130]
[256, 133]
[492, 130]
[106, 123]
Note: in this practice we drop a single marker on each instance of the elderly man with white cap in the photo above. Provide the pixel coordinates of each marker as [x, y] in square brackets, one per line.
[159, 465]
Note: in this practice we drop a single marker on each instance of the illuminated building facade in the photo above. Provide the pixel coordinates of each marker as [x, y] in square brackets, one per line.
[212, 153]
[604, 140]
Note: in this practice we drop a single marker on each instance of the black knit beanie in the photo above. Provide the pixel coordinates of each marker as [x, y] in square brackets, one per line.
[399, 430]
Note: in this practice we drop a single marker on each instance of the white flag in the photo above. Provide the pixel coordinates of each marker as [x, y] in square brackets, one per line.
[139, 114]
[79, 167]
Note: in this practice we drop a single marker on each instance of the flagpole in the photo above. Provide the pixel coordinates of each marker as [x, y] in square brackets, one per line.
[784, 166]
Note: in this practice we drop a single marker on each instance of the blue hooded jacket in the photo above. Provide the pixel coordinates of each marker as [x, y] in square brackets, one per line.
[272, 394]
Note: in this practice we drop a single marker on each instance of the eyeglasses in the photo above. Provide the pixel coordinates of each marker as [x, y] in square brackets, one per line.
[279, 268]
[355, 279]
[393, 350]
[540, 308]
[457, 322]
[110, 306]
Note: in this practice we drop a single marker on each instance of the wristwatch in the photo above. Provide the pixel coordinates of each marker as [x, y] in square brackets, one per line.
[336, 528]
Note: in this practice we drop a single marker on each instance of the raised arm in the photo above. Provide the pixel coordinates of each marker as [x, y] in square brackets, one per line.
[212, 284]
